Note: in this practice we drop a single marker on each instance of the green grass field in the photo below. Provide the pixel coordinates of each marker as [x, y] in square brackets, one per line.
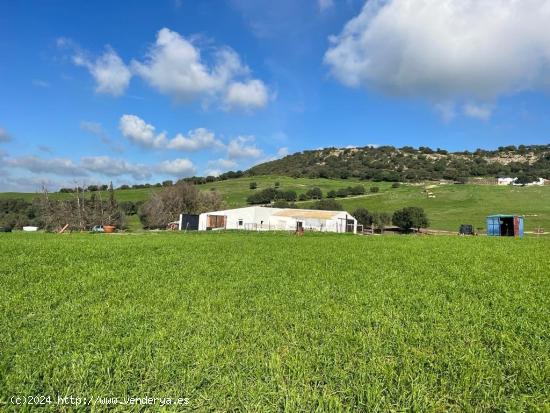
[453, 204]
[275, 322]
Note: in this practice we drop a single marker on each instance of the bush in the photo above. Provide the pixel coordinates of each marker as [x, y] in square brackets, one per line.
[331, 194]
[302, 197]
[357, 190]
[381, 220]
[129, 207]
[410, 217]
[277, 184]
[395, 185]
[363, 216]
[16, 213]
[374, 189]
[283, 204]
[314, 193]
[289, 196]
[265, 196]
[327, 205]
[253, 185]
[342, 192]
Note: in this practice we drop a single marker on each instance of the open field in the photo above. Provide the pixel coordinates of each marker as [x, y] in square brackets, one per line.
[274, 322]
[453, 204]
[463, 204]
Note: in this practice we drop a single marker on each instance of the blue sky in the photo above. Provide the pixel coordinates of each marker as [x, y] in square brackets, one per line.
[139, 91]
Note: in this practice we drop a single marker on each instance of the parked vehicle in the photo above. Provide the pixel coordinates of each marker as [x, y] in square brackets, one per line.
[98, 228]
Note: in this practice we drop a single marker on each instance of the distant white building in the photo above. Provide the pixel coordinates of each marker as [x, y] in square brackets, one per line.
[506, 181]
[512, 181]
[258, 218]
[539, 182]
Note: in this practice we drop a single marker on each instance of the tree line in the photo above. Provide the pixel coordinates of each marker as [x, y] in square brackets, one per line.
[406, 219]
[387, 163]
[269, 195]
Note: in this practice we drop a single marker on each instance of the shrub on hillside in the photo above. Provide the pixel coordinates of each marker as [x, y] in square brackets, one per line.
[342, 192]
[363, 216]
[267, 195]
[253, 185]
[327, 205]
[357, 190]
[130, 207]
[283, 204]
[16, 213]
[289, 195]
[314, 193]
[374, 189]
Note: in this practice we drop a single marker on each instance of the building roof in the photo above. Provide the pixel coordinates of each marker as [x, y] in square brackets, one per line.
[289, 212]
[503, 216]
[306, 213]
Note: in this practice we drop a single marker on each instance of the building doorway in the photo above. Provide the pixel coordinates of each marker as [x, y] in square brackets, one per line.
[216, 221]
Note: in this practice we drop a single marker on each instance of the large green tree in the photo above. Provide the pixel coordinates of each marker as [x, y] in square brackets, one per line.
[410, 217]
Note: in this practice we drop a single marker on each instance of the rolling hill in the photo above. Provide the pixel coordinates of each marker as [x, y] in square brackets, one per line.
[408, 164]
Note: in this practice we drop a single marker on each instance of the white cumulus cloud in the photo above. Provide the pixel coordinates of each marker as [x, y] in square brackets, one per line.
[247, 95]
[108, 166]
[195, 140]
[481, 112]
[445, 49]
[143, 133]
[218, 166]
[56, 166]
[325, 4]
[177, 167]
[174, 66]
[140, 132]
[243, 147]
[282, 152]
[110, 73]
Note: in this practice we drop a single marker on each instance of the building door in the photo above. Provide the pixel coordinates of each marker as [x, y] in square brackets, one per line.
[516, 226]
[216, 221]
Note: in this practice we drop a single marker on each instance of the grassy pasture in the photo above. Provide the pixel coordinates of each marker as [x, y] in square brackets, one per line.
[274, 322]
[464, 204]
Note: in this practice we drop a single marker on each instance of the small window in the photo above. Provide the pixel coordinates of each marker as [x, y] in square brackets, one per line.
[240, 222]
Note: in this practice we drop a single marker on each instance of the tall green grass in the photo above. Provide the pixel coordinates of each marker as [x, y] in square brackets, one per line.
[274, 322]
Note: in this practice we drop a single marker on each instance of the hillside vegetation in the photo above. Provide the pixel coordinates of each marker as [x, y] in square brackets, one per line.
[387, 163]
[329, 323]
[451, 205]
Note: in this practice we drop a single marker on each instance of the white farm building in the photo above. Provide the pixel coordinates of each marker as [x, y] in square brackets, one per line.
[258, 218]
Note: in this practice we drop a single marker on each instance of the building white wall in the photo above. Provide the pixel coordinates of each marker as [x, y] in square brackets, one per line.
[506, 181]
[263, 219]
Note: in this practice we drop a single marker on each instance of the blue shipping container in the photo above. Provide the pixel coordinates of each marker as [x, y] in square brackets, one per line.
[505, 226]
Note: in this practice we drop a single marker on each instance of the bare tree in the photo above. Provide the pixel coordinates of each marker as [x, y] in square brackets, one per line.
[165, 206]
